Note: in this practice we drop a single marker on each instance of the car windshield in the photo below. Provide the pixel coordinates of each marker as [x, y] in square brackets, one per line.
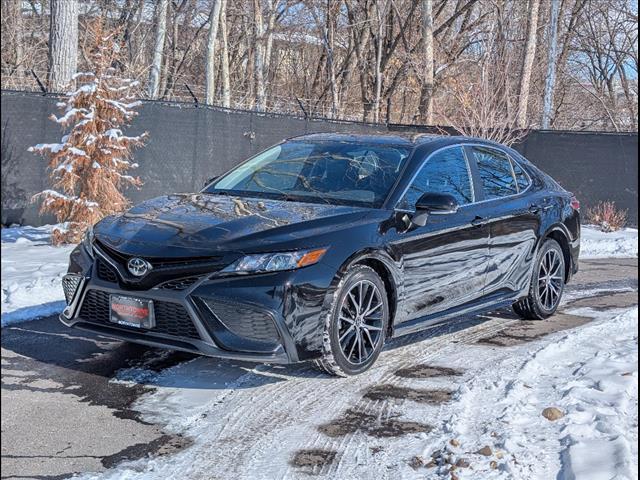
[331, 172]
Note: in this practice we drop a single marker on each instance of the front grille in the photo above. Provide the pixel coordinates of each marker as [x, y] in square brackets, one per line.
[181, 272]
[179, 284]
[245, 322]
[70, 285]
[171, 318]
[106, 272]
[160, 263]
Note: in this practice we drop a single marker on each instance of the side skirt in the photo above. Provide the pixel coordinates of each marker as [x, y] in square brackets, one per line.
[492, 302]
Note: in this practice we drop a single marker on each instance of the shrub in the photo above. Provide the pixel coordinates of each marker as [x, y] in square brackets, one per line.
[606, 216]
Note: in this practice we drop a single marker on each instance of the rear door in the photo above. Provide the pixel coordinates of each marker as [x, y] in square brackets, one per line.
[443, 262]
[513, 219]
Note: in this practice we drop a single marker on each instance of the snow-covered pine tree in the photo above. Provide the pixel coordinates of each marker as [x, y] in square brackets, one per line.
[89, 167]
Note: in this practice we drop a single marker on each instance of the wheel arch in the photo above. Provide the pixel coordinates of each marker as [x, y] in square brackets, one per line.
[560, 234]
[384, 266]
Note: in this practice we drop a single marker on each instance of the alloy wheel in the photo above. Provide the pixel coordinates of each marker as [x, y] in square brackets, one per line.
[550, 279]
[360, 321]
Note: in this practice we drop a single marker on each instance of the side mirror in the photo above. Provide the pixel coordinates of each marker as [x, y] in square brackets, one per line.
[433, 204]
[207, 182]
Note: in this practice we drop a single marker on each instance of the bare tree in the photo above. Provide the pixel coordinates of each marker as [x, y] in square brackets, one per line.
[426, 96]
[158, 48]
[214, 22]
[527, 62]
[13, 12]
[374, 60]
[551, 64]
[226, 80]
[259, 54]
[327, 27]
[63, 43]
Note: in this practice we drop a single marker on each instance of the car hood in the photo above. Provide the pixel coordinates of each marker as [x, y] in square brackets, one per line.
[202, 224]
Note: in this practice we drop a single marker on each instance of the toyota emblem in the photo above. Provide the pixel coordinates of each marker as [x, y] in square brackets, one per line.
[138, 266]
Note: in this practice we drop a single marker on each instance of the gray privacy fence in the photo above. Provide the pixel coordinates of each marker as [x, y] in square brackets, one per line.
[188, 144]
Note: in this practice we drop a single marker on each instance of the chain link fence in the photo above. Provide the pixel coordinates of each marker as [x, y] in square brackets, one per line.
[189, 144]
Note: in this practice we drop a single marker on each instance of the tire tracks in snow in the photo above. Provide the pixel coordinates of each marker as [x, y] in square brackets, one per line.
[349, 446]
[253, 426]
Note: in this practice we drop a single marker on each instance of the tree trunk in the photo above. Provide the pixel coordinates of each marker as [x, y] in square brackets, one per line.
[268, 40]
[381, 14]
[330, 41]
[551, 65]
[527, 63]
[158, 48]
[361, 35]
[63, 43]
[226, 81]
[258, 68]
[214, 22]
[426, 93]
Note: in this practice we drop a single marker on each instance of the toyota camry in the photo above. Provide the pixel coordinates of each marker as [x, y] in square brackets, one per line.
[325, 246]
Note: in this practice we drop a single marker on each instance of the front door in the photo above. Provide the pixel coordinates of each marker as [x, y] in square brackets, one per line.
[444, 262]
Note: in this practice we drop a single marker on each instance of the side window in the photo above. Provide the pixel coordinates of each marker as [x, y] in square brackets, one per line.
[495, 172]
[521, 176]
[445, 172]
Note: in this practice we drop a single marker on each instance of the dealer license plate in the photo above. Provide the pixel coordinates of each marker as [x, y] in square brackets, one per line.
[132, 312]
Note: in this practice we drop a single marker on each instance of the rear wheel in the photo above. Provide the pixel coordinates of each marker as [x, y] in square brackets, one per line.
[355, 327]
[547, 284]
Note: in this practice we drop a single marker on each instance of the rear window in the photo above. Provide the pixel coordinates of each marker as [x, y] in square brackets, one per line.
[496, 173]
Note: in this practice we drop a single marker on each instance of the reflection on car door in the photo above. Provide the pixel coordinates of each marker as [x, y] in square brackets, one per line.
[512, 218]
[444, 262]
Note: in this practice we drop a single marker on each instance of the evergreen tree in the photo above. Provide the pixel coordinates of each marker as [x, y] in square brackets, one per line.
[90, 165]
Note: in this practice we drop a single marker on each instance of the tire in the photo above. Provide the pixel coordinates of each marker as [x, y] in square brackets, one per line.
[546, 289]
[354, 330]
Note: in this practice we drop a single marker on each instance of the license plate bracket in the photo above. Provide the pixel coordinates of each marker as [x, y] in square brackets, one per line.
[131, 311]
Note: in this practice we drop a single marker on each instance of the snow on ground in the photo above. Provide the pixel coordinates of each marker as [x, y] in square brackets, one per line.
[590, 374]
[250, 421]
[597, 244]
[32, 271]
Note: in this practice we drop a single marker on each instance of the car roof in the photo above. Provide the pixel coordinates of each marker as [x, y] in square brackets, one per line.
[400, 138]
[397, 138]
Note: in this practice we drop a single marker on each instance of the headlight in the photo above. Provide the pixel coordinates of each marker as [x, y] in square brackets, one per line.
[87, 241]
[275, 262]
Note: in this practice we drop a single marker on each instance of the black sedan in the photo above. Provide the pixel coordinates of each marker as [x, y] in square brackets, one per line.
[324, 246]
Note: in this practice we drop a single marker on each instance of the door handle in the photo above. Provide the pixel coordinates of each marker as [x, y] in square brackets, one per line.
[478, 221]
[534, 208]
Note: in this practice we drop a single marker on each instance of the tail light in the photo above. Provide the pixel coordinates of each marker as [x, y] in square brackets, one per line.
[575, 203]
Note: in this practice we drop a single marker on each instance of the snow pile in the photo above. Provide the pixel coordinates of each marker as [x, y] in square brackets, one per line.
[597, 244]
[600, 433]
[587, 375]
[32, 271]
[591, 377]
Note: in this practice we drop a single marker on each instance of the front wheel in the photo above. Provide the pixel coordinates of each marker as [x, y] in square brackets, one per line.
[547, 284]
[355, 327]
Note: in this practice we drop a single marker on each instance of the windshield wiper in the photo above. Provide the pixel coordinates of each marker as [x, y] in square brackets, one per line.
[219, 192]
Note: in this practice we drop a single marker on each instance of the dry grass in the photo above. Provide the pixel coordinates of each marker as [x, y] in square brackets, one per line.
[607, 217]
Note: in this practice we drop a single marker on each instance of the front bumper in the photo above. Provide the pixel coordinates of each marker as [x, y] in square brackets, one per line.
[270, 318]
